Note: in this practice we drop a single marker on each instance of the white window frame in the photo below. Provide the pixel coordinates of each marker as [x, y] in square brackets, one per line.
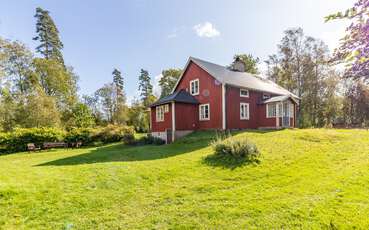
[246, 114]
[267, 110]
[193, 82]
[159, 113]
[166, 108]
[202, 118]
[266, 96]
[244, 90]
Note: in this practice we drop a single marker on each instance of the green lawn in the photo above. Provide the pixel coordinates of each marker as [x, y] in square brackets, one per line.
[308, 179]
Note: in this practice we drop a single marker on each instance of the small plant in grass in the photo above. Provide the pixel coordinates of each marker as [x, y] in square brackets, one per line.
[232, 152]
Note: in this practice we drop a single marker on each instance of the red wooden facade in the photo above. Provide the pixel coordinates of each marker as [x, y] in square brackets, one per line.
[210, 92]
[223, 115]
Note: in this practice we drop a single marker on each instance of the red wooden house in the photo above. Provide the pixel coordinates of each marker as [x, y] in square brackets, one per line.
[210, 96]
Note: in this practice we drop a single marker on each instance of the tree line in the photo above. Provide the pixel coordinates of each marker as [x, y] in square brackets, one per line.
[42, 91]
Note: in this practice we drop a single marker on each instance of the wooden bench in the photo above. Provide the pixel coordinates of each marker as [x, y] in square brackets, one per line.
[75, 144]
[32, 147]
[49, 145]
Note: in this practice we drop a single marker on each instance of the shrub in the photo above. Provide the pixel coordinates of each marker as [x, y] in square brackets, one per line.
[149, 140]
[18, 139]
[114, 133]
[79, 134]
[236, 148]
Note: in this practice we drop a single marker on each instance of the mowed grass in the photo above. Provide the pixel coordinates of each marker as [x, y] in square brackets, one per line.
[309, 179]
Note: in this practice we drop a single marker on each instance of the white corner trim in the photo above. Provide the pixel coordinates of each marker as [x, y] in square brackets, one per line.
[223, 106]
[173, 120]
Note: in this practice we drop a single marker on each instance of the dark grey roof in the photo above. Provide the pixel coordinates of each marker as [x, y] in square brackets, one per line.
[178, 96]
[240, 79]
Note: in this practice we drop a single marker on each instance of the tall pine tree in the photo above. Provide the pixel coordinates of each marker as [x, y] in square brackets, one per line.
[146, 88]
[48, 36]
[120, 111]
[119, 85]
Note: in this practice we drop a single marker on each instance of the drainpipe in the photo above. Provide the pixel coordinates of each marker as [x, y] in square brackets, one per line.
[224, 107]
[173, 121]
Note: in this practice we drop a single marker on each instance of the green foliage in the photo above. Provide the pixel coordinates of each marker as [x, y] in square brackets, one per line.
[81, 117]
[149, 140]
[114, 133]
[251, 63]
[236, 148]
[48, 36]
[138, 117]
[145, 87]
[40, 111]
[168, 80]
[308, 179]
[84, 135]
[18, 139]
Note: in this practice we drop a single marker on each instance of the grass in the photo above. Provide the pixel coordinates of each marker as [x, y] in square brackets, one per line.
[309, 179]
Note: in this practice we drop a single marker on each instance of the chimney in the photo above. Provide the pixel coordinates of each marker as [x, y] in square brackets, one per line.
[238, 65]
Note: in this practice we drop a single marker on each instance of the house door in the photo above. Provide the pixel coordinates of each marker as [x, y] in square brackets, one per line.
[286, 117]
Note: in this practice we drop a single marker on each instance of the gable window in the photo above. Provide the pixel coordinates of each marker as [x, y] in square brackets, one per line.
[266, 96]
[270, 110]
[159, 113]
[244, 111]
[244, 93]
[204, 112]
[195, 87]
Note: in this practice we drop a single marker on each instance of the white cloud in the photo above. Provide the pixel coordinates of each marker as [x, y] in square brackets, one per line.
[332, 38]
[206, 30]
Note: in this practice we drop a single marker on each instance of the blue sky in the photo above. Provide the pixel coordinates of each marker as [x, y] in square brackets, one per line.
[101, 35]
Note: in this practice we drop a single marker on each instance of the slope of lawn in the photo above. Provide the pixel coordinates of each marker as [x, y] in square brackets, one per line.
[308, 179]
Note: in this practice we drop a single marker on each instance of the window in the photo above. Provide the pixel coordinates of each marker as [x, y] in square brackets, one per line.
[159, 113]
[271, 110]
[291, 110]
[266, 96]
[244, 111]
[195, 87]
[166, 108]
[244, 93]
[204, 112]
[279, 109]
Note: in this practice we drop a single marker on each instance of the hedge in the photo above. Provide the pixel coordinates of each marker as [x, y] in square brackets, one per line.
[17, 140]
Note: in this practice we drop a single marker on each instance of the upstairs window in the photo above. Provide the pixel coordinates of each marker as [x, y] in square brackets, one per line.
[159, 113]
[204, 112]
[271, 110]
[244, 93]
[195, 87]
[244, 111]
[266, 96]
[166, 108]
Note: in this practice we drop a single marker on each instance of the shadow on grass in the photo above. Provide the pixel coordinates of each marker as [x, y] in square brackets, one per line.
[121, 153]
[223, 161]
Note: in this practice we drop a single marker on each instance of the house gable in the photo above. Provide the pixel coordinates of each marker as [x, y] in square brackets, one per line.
[210, 92]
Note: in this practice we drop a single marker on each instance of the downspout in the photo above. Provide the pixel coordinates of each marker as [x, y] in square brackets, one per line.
[173, 121]
[223, 106]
